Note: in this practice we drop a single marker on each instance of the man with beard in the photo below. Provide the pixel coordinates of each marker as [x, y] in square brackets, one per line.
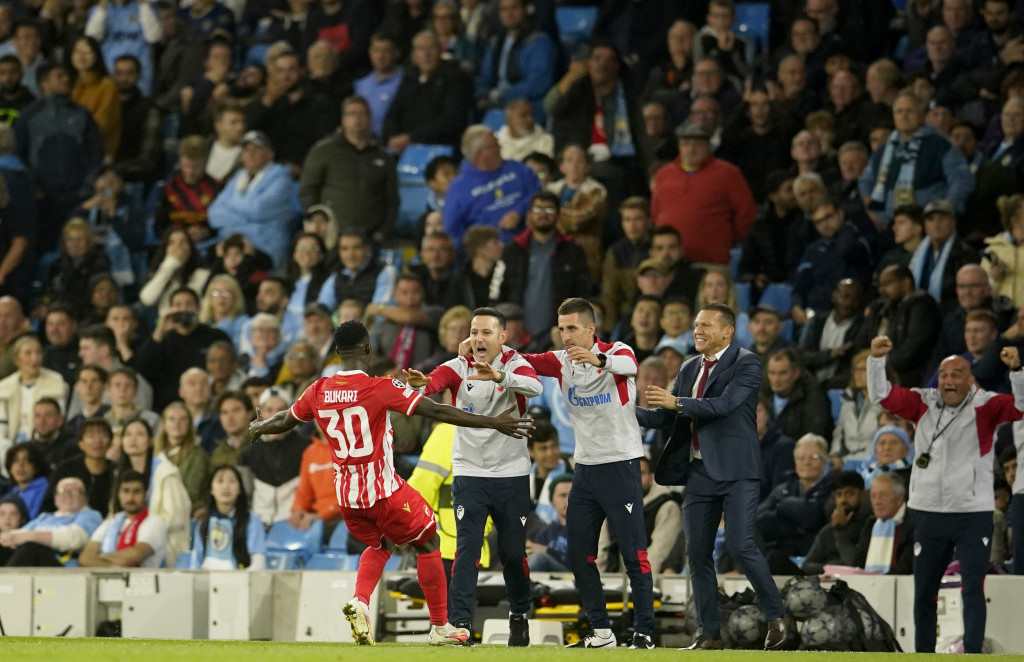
[141, 146]
[13, 95]
[131, 538]
[543, 266]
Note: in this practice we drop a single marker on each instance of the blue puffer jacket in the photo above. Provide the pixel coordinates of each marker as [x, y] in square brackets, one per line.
[263, 212]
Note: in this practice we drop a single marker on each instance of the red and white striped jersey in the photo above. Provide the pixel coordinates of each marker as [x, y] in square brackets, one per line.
[352, 410]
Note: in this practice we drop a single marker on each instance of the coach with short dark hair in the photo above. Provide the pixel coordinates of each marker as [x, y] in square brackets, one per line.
[714, 451]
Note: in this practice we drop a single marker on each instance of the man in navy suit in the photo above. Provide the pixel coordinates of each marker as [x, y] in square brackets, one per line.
[714, 452]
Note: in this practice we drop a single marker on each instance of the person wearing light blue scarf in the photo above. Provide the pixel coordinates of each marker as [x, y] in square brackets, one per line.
[890, 545]
[937, 259]
[915, 164]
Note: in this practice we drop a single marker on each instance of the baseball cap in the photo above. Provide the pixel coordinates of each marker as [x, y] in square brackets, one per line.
[257, 138]
[651, 263]
[693, 130]
[316, 308]
[765, 308]
[939, 207]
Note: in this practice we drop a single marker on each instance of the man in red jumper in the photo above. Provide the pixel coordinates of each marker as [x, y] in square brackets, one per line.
[705, 198]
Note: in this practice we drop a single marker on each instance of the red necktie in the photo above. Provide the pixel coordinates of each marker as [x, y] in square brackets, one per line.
[708, 365]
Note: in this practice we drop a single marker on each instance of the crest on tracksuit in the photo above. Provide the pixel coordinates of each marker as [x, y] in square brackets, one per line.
[459, 512]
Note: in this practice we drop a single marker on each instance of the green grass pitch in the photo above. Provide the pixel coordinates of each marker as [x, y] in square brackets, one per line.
[14, 649]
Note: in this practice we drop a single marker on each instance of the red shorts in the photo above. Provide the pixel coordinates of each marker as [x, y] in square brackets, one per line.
[403, 518]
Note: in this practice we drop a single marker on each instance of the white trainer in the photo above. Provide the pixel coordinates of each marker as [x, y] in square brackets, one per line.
[358, 616]
[594, 640]
[447, 635]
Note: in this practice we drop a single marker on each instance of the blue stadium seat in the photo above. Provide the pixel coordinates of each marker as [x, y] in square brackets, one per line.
[412, 165]
[743, 297]
[575, 24]
[734, 262]
[339, 539]
[753, 23]
[777, 295]
[394, 563]
[282, 561]
[412, 203]
[184, 561]
[787, 330]
[289, 548]
[494, 118]
[333, 561]
[835, 396]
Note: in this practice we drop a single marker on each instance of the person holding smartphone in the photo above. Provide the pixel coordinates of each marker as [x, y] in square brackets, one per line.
[178, 343]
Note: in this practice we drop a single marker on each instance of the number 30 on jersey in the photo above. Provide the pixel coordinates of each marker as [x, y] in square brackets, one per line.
[355, 440]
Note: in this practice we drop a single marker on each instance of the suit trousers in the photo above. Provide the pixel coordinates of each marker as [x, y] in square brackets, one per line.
[611, 491]
[704, 502]
[936, 537]
[507, 501]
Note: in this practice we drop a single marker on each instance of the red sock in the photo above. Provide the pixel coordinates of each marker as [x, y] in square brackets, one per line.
[371, 567]
[430, 572]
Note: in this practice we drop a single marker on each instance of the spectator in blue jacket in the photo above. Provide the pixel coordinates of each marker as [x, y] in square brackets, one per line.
[26, 465]
[260, 201]
[488, 190]
[50, 539]
[519, 62]
[915, 164]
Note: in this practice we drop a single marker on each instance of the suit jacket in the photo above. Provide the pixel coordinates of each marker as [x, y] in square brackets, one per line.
[724, 418]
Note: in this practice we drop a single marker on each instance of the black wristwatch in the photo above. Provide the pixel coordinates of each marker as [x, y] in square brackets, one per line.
[603, 360]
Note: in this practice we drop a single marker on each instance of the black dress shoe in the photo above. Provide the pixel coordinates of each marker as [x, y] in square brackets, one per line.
[776, 634]
[702, 643]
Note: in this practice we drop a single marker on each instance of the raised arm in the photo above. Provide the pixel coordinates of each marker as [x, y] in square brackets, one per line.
[279, 423]
[1010, 356]
[895, 399]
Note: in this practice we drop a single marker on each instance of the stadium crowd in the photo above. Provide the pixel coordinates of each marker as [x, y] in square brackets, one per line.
[194, 196]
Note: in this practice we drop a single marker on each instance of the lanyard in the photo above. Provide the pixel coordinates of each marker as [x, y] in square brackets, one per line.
[938, 431]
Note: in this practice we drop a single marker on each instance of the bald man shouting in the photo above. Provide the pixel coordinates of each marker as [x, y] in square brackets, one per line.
[951, 483]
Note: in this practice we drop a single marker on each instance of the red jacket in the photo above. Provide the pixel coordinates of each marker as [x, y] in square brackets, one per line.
[713, 208]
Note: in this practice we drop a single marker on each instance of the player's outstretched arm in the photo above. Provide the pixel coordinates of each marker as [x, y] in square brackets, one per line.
[279, 423]
[505, 423]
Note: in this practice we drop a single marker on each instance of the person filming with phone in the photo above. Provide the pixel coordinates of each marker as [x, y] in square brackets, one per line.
[178, 343]
[951, 483]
